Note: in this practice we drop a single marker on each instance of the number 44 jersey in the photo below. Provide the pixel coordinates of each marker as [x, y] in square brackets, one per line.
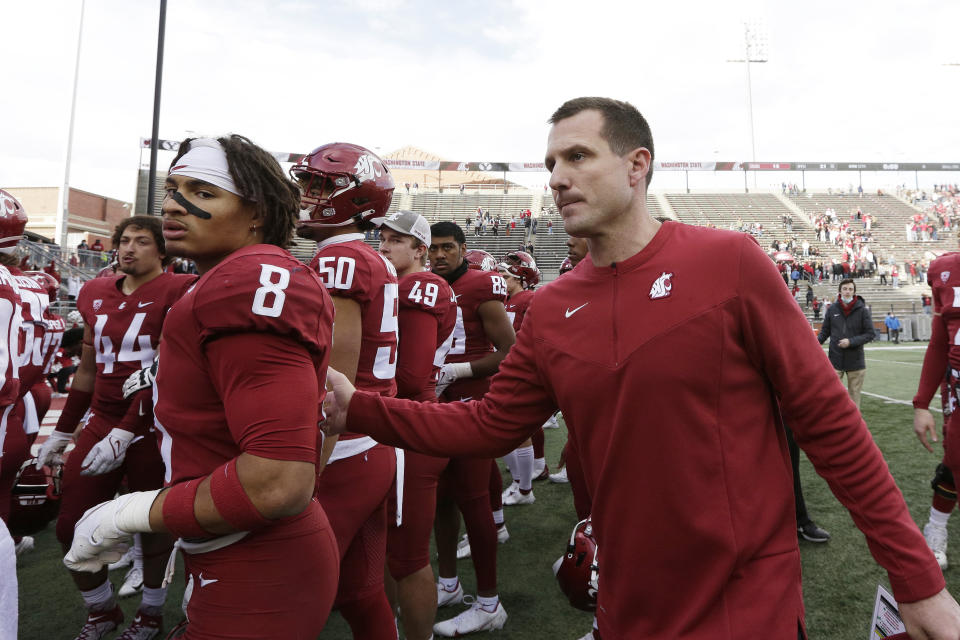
[126, 331]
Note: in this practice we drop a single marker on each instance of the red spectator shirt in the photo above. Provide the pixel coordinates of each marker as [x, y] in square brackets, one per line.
[349, 268]
[126, 331]
[208, 409]
[675, 388]
[428, 314]
[516, 306]
[472, 289]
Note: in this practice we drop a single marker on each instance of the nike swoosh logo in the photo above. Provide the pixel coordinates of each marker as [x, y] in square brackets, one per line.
[97, 619]
[467, 399]
[141, 305]
[206, 581]
[570, 313]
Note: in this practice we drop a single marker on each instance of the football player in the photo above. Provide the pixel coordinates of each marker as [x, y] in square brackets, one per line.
[520, 272]
[941, 368]
[427, 317]
[344, 187]
[123, 317]
[701, 422]
[482, 337]
[239, 472]
[13, 220]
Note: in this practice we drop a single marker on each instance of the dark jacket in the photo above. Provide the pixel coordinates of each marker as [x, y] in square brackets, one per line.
[857, 327]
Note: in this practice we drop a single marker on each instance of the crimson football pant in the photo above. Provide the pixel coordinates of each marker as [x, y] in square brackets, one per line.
[16, 451]
[354, 493]
[496, 487]
[408, 546]
[143, 467]
[279, 582]
[538, 442]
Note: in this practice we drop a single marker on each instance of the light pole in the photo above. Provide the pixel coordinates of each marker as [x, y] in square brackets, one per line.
[755, 51]
[63, 214]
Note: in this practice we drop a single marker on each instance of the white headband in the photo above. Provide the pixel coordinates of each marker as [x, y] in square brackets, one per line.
[207, 161]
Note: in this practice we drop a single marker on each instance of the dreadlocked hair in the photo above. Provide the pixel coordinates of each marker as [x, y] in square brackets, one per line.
[261, 181]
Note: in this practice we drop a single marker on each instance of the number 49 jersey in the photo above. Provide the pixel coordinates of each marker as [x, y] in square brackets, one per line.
[426, 291]
[349, 268]
[126, 331]
[472, 289]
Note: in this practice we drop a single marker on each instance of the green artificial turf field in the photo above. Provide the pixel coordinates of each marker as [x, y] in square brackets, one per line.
[840, 577]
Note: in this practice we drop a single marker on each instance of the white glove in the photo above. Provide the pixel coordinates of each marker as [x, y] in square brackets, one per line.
[108, 454]
[451, 372]
[51, 451]
[139, 380]
[101, 535]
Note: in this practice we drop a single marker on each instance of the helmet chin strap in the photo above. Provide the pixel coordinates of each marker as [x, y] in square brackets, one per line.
[191, 208]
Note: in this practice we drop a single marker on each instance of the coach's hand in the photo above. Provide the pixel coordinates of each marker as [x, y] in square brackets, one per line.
[924, 426]
[339, 393]
[934, 618]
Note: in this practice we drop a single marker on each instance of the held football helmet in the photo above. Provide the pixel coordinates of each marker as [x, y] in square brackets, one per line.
[521, 266]
[565, 266]
[46, 281]
[480, 259]
[13, 220]
[36, 498]
[108, 271]
[341, 183]
[578, 570]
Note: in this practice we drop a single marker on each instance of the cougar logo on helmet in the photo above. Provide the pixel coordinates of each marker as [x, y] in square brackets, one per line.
[367, 169]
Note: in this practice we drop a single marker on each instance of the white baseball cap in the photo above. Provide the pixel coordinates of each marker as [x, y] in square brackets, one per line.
[408, 223]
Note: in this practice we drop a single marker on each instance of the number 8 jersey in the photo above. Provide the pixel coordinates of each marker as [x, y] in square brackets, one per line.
[349, 268]
[126, 331]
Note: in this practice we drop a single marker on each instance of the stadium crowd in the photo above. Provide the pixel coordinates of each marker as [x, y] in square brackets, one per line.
[299, 465]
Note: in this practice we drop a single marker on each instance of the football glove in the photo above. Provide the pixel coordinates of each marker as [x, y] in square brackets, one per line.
[139, 380]
[102, 535]
[108, 454]
[51, 451]
[451, 372]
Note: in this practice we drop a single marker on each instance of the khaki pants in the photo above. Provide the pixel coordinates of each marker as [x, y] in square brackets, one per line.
[854, 383]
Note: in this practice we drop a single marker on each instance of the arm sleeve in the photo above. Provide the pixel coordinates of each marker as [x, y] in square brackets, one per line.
[269, 388]
[866, 331]
[517, 403]
[829, 428]
[824, 334]
[415, 351]
[934, 364]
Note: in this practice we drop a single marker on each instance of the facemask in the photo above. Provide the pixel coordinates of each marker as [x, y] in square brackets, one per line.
[846, 300]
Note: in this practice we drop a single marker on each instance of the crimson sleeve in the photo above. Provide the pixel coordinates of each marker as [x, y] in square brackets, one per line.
[139, 416]
[518, 402]
[269, 388]
[934, 364]
[829, 428]
[415, 352]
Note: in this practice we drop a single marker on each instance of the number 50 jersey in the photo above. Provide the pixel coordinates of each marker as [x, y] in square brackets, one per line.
[126, 331]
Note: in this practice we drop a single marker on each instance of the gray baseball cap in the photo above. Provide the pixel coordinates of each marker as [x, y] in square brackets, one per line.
[408, 223]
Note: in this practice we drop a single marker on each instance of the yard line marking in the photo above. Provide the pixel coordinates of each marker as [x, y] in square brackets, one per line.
[895, 401]
[912, 364]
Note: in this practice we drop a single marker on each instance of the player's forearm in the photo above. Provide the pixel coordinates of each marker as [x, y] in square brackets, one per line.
[934, 364]
[488, 364]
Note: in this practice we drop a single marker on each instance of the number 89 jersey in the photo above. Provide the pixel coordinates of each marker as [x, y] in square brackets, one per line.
[944, 278]
[349, 268]
[126, 331]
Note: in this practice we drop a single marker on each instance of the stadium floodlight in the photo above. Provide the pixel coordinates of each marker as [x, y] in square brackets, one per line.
[63, 210]
[756, 50]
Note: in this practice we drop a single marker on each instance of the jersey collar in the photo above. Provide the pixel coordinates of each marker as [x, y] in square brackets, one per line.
[346, 237]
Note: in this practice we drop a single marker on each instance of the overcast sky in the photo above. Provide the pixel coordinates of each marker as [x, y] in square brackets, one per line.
[473, 80]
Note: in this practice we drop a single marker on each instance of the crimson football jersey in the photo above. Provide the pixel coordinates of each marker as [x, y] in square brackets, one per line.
[944, 278]
[10, 336]
[126, 331]
[349, 268]
[516, 307]
[426, 291]
[35, 302]
[260, 289]
[52, 337]
[472, 289]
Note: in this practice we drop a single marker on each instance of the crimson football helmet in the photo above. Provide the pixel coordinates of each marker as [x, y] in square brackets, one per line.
[13, 220]
[522, 266]
[480, 259]
[36, 498]
[46, 281]
[578, 570]
[108, 271]
[342, 183]
[566, 265]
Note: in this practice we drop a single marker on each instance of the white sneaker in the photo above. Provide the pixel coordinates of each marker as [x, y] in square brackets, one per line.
[472, 620]
[463, 547]
[445, 597]
[25, 545]
[552, 423]
[509, 491]
[132, 583]
[937, 541]
[589, 636]
[560, 477]
[125, 561]
[520, 498]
